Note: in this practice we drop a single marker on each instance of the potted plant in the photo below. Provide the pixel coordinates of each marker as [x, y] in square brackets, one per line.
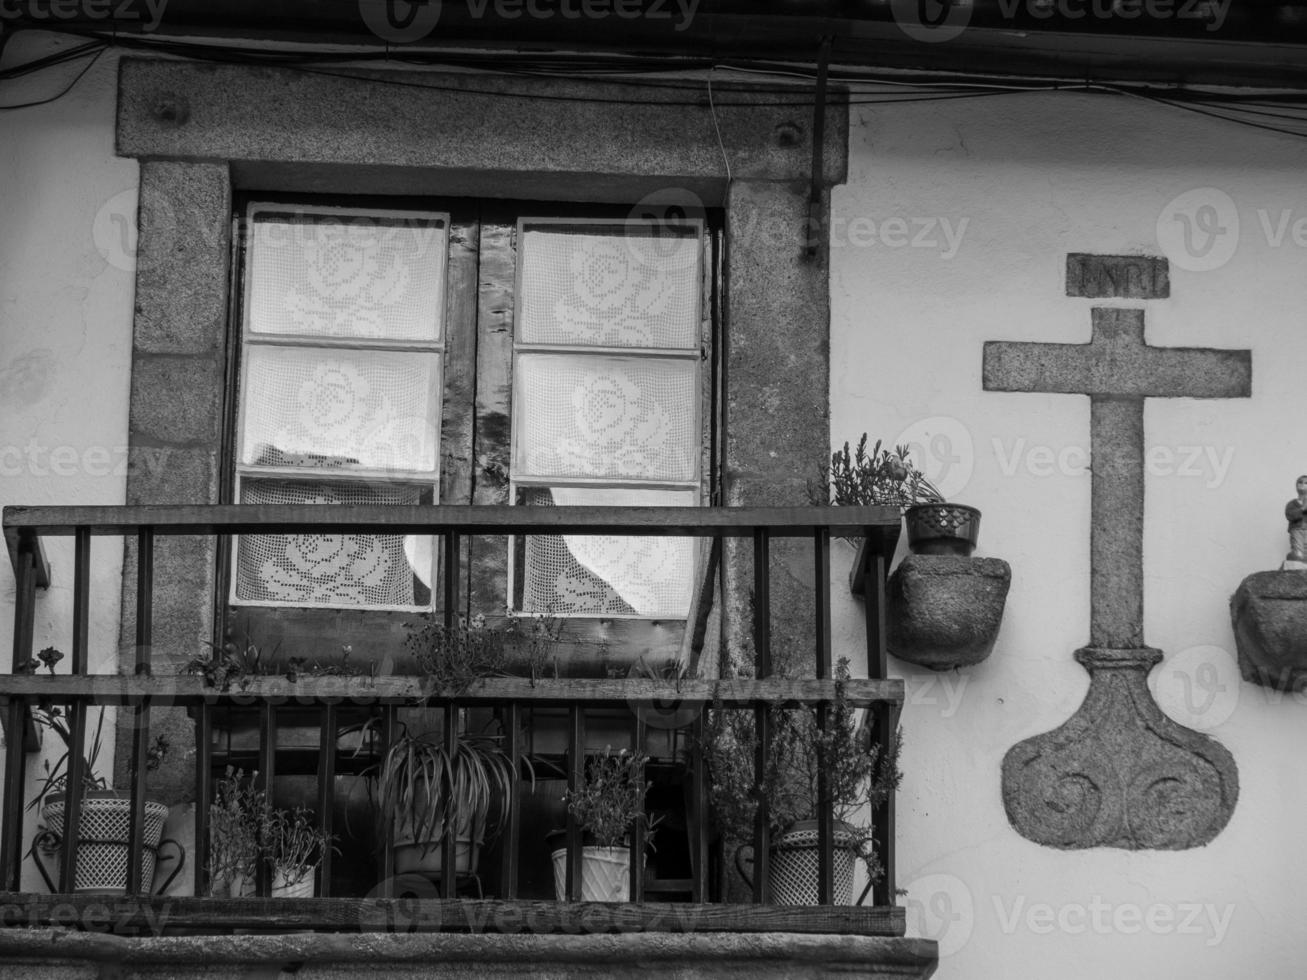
[607, 805]
[245, 830]
[888, 478]
[943, 607]
[105, 817]
[859, 776]
[426, 789]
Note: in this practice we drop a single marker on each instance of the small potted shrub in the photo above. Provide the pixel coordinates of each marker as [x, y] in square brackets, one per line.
[104, 825]
[245, 830]
[860, 777]
[606, 805]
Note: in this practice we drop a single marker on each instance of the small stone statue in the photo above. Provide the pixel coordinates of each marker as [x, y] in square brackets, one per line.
[1296, 513]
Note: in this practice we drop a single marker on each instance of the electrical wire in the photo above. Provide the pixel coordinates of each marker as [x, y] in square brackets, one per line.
[66, 89]
[864, 87]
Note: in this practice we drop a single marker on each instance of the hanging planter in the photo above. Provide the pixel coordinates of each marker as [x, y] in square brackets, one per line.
[944, 611]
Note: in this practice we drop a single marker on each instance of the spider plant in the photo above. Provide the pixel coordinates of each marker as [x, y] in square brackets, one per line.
[426, 788]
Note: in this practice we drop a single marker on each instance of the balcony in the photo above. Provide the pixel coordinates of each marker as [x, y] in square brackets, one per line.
[501, 899]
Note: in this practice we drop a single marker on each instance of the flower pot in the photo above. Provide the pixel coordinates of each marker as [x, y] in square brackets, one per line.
[426, 856]
[300, 889]
[793, 867]
[942, 529]
[103, 839]
[605, 874]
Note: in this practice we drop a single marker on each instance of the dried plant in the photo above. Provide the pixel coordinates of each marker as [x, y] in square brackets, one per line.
[292, 842]
[881, 478]
[859, 775]
[55, 779]
[245, 829]
[455, 657]
[234, 828]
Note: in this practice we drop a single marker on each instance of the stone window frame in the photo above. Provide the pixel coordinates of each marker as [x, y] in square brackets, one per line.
[204, 132]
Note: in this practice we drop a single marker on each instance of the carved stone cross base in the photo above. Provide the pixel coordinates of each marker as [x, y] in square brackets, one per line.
[1119, 773]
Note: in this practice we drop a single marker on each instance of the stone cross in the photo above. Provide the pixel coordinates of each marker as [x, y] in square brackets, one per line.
[1119, 773]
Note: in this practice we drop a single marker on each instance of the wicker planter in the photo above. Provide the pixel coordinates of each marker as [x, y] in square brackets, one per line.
[793, 865]
[103, 838]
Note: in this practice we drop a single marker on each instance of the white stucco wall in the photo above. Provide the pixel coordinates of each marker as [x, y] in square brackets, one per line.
[1028, 178]
[66, 287]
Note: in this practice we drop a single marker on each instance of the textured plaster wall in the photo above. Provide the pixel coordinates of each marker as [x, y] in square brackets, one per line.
[1034, 177]
[67, 226]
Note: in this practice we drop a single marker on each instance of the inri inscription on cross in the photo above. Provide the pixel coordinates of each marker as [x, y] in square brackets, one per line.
[1118, 773]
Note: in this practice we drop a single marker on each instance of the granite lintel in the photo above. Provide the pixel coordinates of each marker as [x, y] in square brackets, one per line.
[462, 123]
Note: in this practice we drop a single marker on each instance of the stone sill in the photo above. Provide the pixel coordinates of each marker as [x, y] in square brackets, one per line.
[38, 954]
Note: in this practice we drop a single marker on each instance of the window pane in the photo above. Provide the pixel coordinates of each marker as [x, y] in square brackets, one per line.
[347, 275]
[621, 286]
[340, 569]
[596, 416]
[607, 575]
[339, 408]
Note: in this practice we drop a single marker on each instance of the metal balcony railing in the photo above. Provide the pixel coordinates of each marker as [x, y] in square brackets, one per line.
[137, 691]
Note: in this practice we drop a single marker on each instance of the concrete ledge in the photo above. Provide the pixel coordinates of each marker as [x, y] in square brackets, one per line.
[56, 952]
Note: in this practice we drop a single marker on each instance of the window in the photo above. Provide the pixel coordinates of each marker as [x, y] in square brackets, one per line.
[381, 352]
[342, 348]
[606, 383]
